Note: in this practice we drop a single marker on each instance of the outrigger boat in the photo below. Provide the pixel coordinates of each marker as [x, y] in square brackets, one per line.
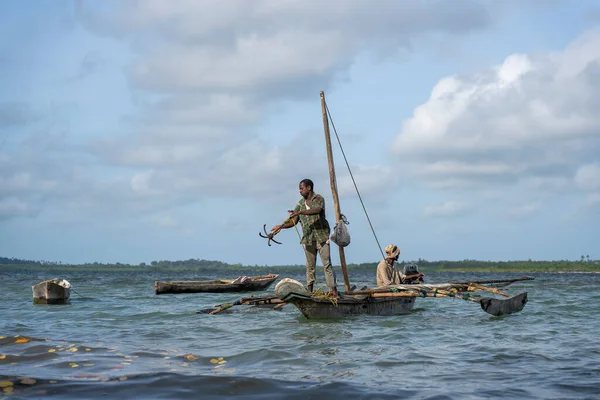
[391, 300]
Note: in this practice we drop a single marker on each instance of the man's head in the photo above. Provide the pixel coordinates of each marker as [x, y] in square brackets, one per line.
[392, 252]
[305, 187]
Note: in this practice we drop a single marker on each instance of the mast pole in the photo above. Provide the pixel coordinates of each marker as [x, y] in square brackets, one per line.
[333, 183]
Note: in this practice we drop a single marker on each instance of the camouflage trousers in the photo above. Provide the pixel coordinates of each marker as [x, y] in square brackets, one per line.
[310, 250]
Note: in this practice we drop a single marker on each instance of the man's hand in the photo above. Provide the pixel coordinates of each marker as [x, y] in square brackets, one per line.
[294, 214]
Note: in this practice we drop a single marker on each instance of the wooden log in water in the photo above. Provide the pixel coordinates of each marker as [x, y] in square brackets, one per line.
[253, 283]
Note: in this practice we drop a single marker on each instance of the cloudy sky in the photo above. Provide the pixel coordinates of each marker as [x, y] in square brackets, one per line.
[133, 131]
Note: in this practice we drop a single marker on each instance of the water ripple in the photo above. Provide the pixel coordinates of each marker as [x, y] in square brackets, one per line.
[120, 340]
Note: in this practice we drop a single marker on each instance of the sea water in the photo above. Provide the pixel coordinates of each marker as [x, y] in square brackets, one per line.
[117, 339]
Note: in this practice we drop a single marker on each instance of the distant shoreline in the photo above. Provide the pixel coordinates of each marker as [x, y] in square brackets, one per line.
[216, 267]
[211, 266]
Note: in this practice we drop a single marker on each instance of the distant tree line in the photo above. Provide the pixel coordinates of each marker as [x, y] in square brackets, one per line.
[468, 265]
[198, 265]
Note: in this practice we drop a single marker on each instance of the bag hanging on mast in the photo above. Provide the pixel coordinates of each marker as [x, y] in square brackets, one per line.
[340, 235]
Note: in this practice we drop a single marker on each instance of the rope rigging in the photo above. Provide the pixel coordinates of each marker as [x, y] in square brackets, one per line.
[353, 181]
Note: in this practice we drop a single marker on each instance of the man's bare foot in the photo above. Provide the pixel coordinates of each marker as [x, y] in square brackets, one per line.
[334, 293]
[310, 288]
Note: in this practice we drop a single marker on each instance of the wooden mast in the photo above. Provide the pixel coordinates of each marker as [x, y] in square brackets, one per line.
[333, 182]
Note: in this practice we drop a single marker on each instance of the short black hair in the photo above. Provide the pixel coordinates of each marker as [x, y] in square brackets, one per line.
[308, 182]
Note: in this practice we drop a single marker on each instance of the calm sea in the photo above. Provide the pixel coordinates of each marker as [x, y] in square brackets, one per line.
[118, 340]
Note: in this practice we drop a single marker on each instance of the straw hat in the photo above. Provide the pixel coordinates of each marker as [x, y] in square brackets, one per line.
[392, 251]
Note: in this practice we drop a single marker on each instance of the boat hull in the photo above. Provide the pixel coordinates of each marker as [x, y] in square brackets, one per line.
[48, 292]
[314, 308]
[215, 286]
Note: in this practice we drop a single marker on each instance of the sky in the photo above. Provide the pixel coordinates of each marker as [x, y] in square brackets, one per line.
[133, 131]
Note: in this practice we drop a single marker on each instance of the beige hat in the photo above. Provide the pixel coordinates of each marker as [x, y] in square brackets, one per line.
[392, 251]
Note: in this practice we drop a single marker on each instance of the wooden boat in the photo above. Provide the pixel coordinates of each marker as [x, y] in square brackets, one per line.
[240, 284]
[53, 291]
[392, 300]
[322, 305]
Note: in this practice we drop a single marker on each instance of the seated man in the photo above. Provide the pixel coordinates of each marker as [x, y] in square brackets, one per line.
[388, 274]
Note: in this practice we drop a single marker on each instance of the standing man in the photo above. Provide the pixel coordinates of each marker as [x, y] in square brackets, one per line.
[310, 210]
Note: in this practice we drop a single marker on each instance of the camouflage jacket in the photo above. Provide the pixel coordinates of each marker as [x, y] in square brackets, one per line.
[315, 227]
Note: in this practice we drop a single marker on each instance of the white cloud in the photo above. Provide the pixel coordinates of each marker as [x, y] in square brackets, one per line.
[260, 45]
[213, 109]
[534, 118]
[11, 207]
[167, 221]
[445, 209]
[592, 201]
[140, 182]
[523, 211]
[204, 74]
[369, 179]
[587, 177]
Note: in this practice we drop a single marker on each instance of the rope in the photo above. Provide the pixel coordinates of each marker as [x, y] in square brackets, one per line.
[295, 226]
[298, 232]
[73, 290]
[353, 181]
[321, 294]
